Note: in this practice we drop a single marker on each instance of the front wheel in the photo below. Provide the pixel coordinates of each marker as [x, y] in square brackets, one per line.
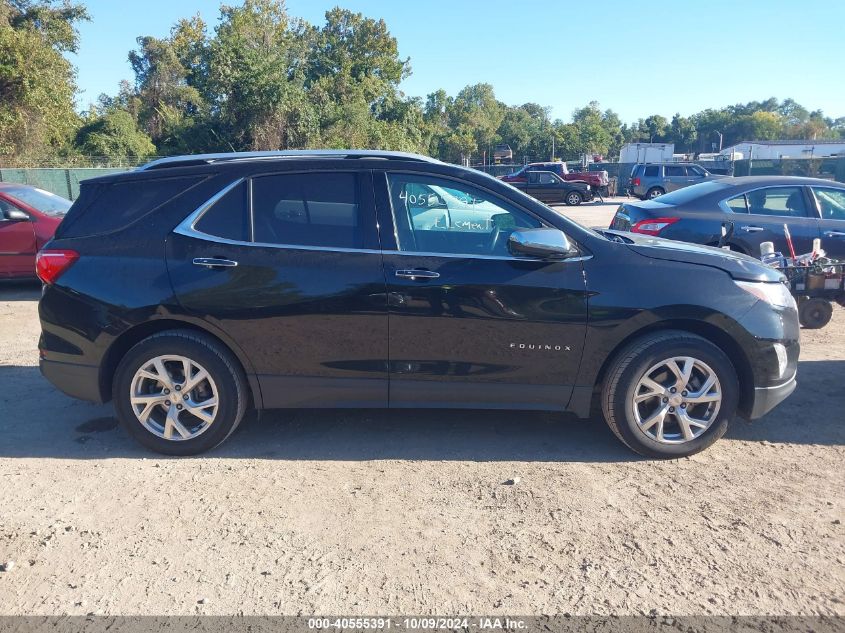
[179, 393]
[670, 394]
[573, 199]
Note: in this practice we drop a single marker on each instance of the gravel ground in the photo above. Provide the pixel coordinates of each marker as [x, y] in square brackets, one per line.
[380, 512]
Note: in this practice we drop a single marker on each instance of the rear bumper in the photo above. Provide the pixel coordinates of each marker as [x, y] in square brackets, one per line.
[77, 381]
[767, 398]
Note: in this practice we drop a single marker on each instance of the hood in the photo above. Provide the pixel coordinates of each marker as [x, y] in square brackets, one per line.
[737, 265]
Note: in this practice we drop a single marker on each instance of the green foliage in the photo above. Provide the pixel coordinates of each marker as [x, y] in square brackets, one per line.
[114, 134]
[261, 79]
[37, 84]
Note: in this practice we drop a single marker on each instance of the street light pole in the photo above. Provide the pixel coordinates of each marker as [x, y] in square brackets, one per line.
[720, 139]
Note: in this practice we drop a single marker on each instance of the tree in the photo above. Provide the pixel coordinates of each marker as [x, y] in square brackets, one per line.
[474, 118]
[682, 133]
[37, 83]
[114, 135]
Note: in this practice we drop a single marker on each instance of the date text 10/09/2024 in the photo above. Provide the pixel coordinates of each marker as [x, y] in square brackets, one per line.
[418, 624]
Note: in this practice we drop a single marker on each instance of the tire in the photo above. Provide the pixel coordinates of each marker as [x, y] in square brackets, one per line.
[654, 192]
[144, 403]
[573, 199]
[637, 361]
[814, 313]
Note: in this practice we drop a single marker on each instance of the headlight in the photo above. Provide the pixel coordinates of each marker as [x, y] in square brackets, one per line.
[776, 294]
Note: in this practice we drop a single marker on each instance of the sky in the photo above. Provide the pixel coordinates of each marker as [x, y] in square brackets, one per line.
[636, 58]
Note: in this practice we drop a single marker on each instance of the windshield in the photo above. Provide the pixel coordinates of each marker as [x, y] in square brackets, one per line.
[687, 194]
[40, 200]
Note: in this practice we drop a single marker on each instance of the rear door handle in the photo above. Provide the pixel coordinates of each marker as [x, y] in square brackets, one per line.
[214, 262]
[834, 234]
[417, 273]
[752, 229]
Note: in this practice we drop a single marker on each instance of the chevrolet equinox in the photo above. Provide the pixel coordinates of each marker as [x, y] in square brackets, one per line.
[196, 287]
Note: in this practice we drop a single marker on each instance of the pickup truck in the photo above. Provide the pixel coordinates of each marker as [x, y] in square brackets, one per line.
[596, 179]
[550, 188]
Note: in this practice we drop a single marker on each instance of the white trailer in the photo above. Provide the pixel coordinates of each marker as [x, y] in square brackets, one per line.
[646, 153]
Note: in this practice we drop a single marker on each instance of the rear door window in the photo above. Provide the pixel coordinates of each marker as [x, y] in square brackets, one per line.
[651, 171]
[228, 217]
[314, 209]
[675, 170]
[779, 201]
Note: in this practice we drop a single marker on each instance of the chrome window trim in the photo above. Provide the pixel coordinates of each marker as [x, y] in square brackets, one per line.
[187, 228]
[723, 204]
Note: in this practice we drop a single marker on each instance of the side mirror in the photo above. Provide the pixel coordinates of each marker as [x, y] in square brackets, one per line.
[542, 243]
[16, 215]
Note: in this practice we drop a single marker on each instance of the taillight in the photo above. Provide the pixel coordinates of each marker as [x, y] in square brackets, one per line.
[653, 226]
[51, 263]
[635, 182]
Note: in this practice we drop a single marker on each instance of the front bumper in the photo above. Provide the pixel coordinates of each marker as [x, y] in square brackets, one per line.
[77, 381]
[767, 398]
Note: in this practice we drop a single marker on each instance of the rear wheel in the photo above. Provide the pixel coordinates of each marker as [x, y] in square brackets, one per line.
[670, 394]
[573, 199]
[654, 192]
[179, 393]
[814, 313]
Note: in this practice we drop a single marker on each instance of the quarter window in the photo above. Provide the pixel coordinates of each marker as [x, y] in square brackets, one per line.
[228, 217]
[738, 204]
[780, 201]
[316, 209]
[436, 215]
[831, 202]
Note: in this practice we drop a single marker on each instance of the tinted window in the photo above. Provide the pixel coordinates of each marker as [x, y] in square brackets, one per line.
[831, 202]
[651, 171]
[738, 204]
[675, 170]
[436, 215]
[118, 204]
[317, 209]
[4, 207]
[695, 170]
[547, 178]
[781, 201]
[228, 217]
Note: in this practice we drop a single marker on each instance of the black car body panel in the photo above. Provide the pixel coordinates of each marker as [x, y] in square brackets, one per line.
[700, 211]
[315, 326]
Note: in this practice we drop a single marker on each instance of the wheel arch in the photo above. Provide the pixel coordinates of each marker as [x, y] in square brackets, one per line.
[732, 349]
[134, 335]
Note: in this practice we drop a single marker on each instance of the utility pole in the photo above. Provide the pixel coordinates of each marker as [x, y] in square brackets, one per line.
[720, 140]
[553, 147]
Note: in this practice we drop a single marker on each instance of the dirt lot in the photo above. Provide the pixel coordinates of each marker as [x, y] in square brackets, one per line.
[407, 512]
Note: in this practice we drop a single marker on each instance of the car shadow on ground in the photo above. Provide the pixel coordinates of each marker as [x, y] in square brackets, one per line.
[38, 421]
[20, 290]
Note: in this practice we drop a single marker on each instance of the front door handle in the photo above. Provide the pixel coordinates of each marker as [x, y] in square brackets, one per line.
[752, 229]
[214, 262]
[417, 273]
[834, 234]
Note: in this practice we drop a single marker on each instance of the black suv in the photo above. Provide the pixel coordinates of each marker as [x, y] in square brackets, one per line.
[197, 287]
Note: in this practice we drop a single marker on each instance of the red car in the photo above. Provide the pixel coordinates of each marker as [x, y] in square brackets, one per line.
[28, 219]
[596, 179]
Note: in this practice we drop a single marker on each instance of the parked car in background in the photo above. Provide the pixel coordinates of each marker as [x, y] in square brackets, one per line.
[550, 188]
[596, 179]
[28, 218]
[502, 154]
[650, 180]
[329, 279]
[758, 207]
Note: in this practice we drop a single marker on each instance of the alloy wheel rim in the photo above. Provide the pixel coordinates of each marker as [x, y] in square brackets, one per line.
[174, 397]
[573, 198]
[677, 400]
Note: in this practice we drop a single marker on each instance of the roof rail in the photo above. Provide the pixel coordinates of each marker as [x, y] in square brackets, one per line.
[199, 159]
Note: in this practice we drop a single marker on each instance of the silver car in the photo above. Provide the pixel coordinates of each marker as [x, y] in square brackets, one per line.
[650, 180]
